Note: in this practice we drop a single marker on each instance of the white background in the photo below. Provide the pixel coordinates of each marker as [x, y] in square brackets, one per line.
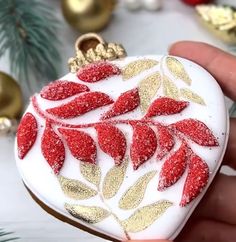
[141, 33]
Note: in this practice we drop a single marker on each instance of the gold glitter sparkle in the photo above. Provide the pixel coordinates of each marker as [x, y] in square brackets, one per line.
[176, 68]
[143, 217]
[135, 194]
[148, 88]
[76, 189]
[191, 96]
[91, 172]
[89, 214]
[136, 67]
[170, 89]
[113, 180]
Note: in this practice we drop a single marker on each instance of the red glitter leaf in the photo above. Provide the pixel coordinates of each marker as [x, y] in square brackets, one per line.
[81, 145]
[125, 103]
[52, 148]
[197, 178]
[59, 90]
[165, 106]
[112, 141]
[97, 71]
[81, 105]
[26, 134]
[165, 142]
[173, 168]
[144, 144]
[197, 131]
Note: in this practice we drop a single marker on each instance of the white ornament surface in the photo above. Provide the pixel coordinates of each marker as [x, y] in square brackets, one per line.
[40, 179]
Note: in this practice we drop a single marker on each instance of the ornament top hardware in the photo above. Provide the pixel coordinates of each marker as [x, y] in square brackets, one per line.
[90, 48]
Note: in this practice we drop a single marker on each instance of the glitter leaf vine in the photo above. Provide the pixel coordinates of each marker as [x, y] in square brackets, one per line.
[149, 138]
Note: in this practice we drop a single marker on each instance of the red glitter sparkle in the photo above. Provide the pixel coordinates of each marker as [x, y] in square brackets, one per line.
[81, 145]
[97, 71]
[165, 142]
[81, 105]
[125, 103]
[197, 131]
[173, 168]
[53, 149]
[26, 134]
[198, 175]
[165, 106]
[144, 144]
[59, 90]
[112, 141]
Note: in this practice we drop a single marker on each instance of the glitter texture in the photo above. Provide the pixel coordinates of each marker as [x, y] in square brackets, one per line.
[191, 96]
[165, 142]
[177, 69]
[91, 172]
[165, 106]
[76, 189]
[197, 178]
[81, 145]
[197, 131]
[59, 90]
[145, 216]
[136, 67]
[144, 144]
[97, 71]
[113, 180]
[89, 214]
[170, 89]
[125, 103]
[173, 168]
[148, 88]
[53, 149]
[135, 194]
[81, 105]
[26, 134]
[111, 141]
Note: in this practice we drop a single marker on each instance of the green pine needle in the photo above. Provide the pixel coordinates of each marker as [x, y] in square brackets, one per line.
[28, 34]
[4, 236]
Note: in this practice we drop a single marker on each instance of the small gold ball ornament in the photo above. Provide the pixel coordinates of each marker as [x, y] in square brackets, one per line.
[87, 15]
[7, 126]
[11, 101]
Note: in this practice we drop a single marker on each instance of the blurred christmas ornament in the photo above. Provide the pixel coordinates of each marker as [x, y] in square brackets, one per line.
[7, 126]
[196, 2]
[88, 15]
[11, 101]
[151, 5]
[220, 20]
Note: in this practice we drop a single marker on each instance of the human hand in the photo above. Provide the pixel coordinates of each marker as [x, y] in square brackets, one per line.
[214, 220]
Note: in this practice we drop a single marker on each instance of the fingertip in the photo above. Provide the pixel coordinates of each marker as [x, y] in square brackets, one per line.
[149, 241]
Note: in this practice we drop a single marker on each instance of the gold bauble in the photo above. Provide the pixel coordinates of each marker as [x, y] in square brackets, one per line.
[11, 101]
[87, 15]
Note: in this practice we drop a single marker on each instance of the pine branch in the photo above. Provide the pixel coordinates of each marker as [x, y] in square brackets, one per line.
[4, 236]
[28, 33]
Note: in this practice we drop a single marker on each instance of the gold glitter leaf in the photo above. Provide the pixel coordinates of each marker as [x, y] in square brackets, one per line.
[91, 172]
[136, 67]
[134, 195]
[177, 69]
[191, 96]
[170, 89]
[148, 88]
[143, 217]
[89, 214]
[76, 189]
[113, 180]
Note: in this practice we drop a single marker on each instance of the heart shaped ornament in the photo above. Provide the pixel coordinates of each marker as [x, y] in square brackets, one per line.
[124, 149]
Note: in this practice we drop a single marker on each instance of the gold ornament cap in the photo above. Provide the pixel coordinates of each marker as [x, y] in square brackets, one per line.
[92, 47]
